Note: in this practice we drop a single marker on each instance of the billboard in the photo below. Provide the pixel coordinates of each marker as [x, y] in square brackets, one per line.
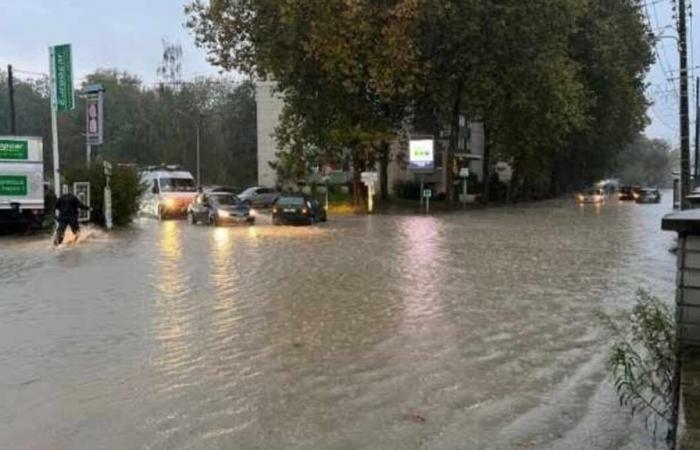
[93, 119]
[62, 77]
[421, 154]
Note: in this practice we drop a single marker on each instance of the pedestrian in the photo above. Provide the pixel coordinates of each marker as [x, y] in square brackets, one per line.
[67, 207]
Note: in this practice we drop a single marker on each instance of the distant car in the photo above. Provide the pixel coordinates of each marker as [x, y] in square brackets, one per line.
[627, 193]
[297, 209]
[591, 196]
[218, 208]
[226, 189]
[648, 195]
[259, 197]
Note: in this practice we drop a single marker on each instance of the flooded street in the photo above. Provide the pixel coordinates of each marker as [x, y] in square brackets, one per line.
[463, 331]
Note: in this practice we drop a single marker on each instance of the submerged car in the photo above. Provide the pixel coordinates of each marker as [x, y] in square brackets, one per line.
[591, 196]
[648, 195]
[297, 209]
[627, 193]
[218, 208]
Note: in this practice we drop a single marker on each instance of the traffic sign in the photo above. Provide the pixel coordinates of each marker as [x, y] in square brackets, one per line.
[427, 193]
[369, 177]
[464, 172]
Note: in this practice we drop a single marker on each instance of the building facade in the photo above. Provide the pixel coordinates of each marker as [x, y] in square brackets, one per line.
[269, 108]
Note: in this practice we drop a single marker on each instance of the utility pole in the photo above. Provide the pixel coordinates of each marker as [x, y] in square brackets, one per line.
[11, 91]
[684, 117]
[697, 131]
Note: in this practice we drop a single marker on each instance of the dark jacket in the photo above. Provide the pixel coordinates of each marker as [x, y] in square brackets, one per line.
[68, 205]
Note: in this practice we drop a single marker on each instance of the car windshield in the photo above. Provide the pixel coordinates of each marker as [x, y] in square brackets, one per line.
[177, 185]
[290, 201]
[225, 199]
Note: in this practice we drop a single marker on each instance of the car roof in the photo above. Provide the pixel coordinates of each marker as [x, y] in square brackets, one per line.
[221, 189]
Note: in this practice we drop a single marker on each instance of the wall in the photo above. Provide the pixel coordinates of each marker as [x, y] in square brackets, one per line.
[269, 108]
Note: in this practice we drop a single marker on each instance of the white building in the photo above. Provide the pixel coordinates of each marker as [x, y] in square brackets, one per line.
[269, 108]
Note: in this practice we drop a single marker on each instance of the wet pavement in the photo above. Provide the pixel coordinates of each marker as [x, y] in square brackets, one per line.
[459, 331]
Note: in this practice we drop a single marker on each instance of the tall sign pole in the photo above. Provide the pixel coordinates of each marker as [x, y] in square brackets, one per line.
[684, 117]
[696, 173]
[62, 96]
[54, 124]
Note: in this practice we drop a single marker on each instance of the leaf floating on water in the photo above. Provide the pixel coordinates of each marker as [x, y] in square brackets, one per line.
[415, 418]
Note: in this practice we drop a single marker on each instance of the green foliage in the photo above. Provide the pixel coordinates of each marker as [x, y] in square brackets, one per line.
[126, 191]
[642, 358]
[559, 83]
[142, 127]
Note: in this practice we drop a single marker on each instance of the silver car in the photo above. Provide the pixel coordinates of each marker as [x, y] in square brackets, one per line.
[259, 197]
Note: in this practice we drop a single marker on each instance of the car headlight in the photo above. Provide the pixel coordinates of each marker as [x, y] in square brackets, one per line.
[580, 198]
[252, 212]
[170, 203]
[223, 213]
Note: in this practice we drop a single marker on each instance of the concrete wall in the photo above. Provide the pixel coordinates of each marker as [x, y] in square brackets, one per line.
[269, 108]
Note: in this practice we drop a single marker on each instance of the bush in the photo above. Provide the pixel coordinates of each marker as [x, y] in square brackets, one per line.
[642, 358]
[126, 191]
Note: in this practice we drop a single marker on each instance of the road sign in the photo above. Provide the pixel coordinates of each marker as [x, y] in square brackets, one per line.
[369, 177]
[14, 185]
[62, 70]
[464, 172]
[427, 193]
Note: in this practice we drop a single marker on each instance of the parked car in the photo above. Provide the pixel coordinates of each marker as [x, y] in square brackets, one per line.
[297, 208]
[259, 197]
[217, 208]
[648, 195]
[227, 189]
[169, 191]
[591, 196]
[627, 193]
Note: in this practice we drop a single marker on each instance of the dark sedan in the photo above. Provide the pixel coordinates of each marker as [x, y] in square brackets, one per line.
[628, 193]
[218, 208]
[297, 209]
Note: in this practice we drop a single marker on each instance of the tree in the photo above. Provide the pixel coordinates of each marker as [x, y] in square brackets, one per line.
[646, 162]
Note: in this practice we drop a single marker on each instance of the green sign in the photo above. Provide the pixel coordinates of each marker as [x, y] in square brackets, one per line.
[11, 149]
[63, 77]
[13, 185]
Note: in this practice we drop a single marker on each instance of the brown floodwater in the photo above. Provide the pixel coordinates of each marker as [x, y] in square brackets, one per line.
[459, 331]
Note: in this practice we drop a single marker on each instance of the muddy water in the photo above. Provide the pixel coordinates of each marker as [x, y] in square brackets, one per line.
[460, 331]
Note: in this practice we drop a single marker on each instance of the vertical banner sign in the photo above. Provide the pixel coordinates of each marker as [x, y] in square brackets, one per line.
[93, 119]
[421, 155]
[63, 77]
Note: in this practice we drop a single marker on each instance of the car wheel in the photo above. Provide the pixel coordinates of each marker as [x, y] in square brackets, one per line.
[275, 220]
[190, 218]
[161, 213]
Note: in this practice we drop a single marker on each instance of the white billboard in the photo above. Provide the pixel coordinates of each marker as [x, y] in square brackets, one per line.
[421, 154]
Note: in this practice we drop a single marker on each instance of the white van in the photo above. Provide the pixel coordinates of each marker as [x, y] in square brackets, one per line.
[169, 191]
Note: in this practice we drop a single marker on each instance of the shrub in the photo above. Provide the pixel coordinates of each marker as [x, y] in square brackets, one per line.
[642, 358]
[126, 190]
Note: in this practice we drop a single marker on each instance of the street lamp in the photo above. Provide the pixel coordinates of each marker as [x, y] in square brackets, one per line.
[196, 123]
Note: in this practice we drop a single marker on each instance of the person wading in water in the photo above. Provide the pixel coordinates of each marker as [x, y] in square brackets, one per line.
[67, 206]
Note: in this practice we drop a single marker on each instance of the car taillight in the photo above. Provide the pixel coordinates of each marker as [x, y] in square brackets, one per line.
[274, 210]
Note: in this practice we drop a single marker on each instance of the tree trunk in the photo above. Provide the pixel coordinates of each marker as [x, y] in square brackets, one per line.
[486, 163]
[358, 188]
[384, 171]
[452, 148]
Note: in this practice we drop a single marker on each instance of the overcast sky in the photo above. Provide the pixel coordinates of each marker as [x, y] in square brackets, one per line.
[127, 34]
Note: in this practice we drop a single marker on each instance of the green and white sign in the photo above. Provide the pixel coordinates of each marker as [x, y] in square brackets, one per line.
[13, 185]
[62, 68]
[14, 149]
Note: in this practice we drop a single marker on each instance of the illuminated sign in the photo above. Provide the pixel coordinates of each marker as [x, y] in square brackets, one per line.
[421, 155]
